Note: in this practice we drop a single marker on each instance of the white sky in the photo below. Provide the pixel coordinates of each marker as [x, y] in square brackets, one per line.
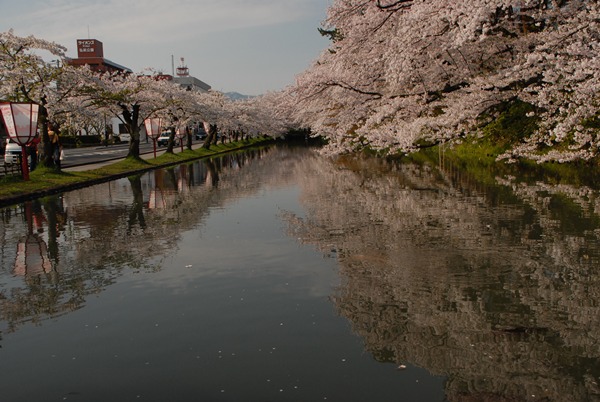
[247, 46]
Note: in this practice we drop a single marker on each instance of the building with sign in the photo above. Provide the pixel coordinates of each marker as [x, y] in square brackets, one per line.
[91, 52]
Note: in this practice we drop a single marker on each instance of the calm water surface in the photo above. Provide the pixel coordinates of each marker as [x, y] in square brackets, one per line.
[281, 275]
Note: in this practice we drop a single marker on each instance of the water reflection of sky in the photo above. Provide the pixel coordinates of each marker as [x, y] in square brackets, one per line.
[203, 295]
[282, 275]
[244, 241]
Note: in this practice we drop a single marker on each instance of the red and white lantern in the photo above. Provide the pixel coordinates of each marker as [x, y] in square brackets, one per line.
[153, 129]
[21, 121]
[180, 133]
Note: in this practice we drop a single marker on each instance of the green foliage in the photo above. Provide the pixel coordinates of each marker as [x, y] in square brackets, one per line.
[502, 127]
[477, 159]
[509, 123]
[334, 34]
[129, 164]
[41, 178]
[592, 122]
[581, 173]
[570, 215]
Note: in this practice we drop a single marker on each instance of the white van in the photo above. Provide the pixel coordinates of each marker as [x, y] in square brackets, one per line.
[11, 152]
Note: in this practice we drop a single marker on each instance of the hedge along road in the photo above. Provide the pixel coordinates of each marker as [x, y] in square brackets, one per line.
[101, 167]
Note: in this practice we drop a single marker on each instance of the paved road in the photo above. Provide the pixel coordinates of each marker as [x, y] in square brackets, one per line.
[83, 158]
[78, 159]
[90, 155]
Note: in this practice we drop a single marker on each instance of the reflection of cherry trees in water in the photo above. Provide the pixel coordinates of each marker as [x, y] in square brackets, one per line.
[493, 286]
[70, 246]
[136, 215]
[37, 262]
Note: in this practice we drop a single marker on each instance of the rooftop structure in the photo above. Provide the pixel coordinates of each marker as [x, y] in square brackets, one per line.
[184, 79]
[192, 83]
[182, 70]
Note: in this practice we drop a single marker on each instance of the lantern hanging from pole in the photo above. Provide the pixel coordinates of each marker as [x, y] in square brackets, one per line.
[153, 126]
[180, 133]
[153, 129]
[21, 121]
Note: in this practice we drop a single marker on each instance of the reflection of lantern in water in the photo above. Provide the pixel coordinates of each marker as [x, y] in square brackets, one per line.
[164, 195]
[183, 181]
[32, 252]
[162, 199]
[32, 256]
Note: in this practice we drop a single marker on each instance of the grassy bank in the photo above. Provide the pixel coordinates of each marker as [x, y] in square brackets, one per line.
[44, 181]
[478, 159]
[508, 125]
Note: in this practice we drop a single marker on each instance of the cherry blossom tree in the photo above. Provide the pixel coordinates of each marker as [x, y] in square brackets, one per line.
[79, 99]
[67, 109]
[405, 74]
[26, 75]
[214, 113]
[254, 117]
[131, 98]
[261, 115]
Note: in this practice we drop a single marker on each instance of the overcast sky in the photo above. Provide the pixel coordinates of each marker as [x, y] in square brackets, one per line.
[247, 46]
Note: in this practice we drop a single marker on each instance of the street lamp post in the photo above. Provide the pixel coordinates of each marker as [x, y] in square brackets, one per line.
[21, 120]
[153, 129]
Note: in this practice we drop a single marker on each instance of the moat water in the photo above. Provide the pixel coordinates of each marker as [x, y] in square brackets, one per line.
[278, 274]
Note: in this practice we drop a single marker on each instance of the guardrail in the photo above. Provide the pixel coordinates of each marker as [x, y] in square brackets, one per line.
[11, 169]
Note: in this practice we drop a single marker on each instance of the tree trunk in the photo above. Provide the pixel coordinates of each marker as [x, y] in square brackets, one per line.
[134, 144]
[131, 117]
[171, 142]
[188, 137]
[215, 134]
[45, 148]
[211, 137]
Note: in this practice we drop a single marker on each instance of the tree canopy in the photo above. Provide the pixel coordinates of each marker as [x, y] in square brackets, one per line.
[77, 99]
[404, 74]
[399, 75]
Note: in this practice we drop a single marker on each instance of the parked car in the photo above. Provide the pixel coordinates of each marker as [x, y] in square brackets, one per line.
[200, 133]
[125, 137]
[163, 140]
[11, 152]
